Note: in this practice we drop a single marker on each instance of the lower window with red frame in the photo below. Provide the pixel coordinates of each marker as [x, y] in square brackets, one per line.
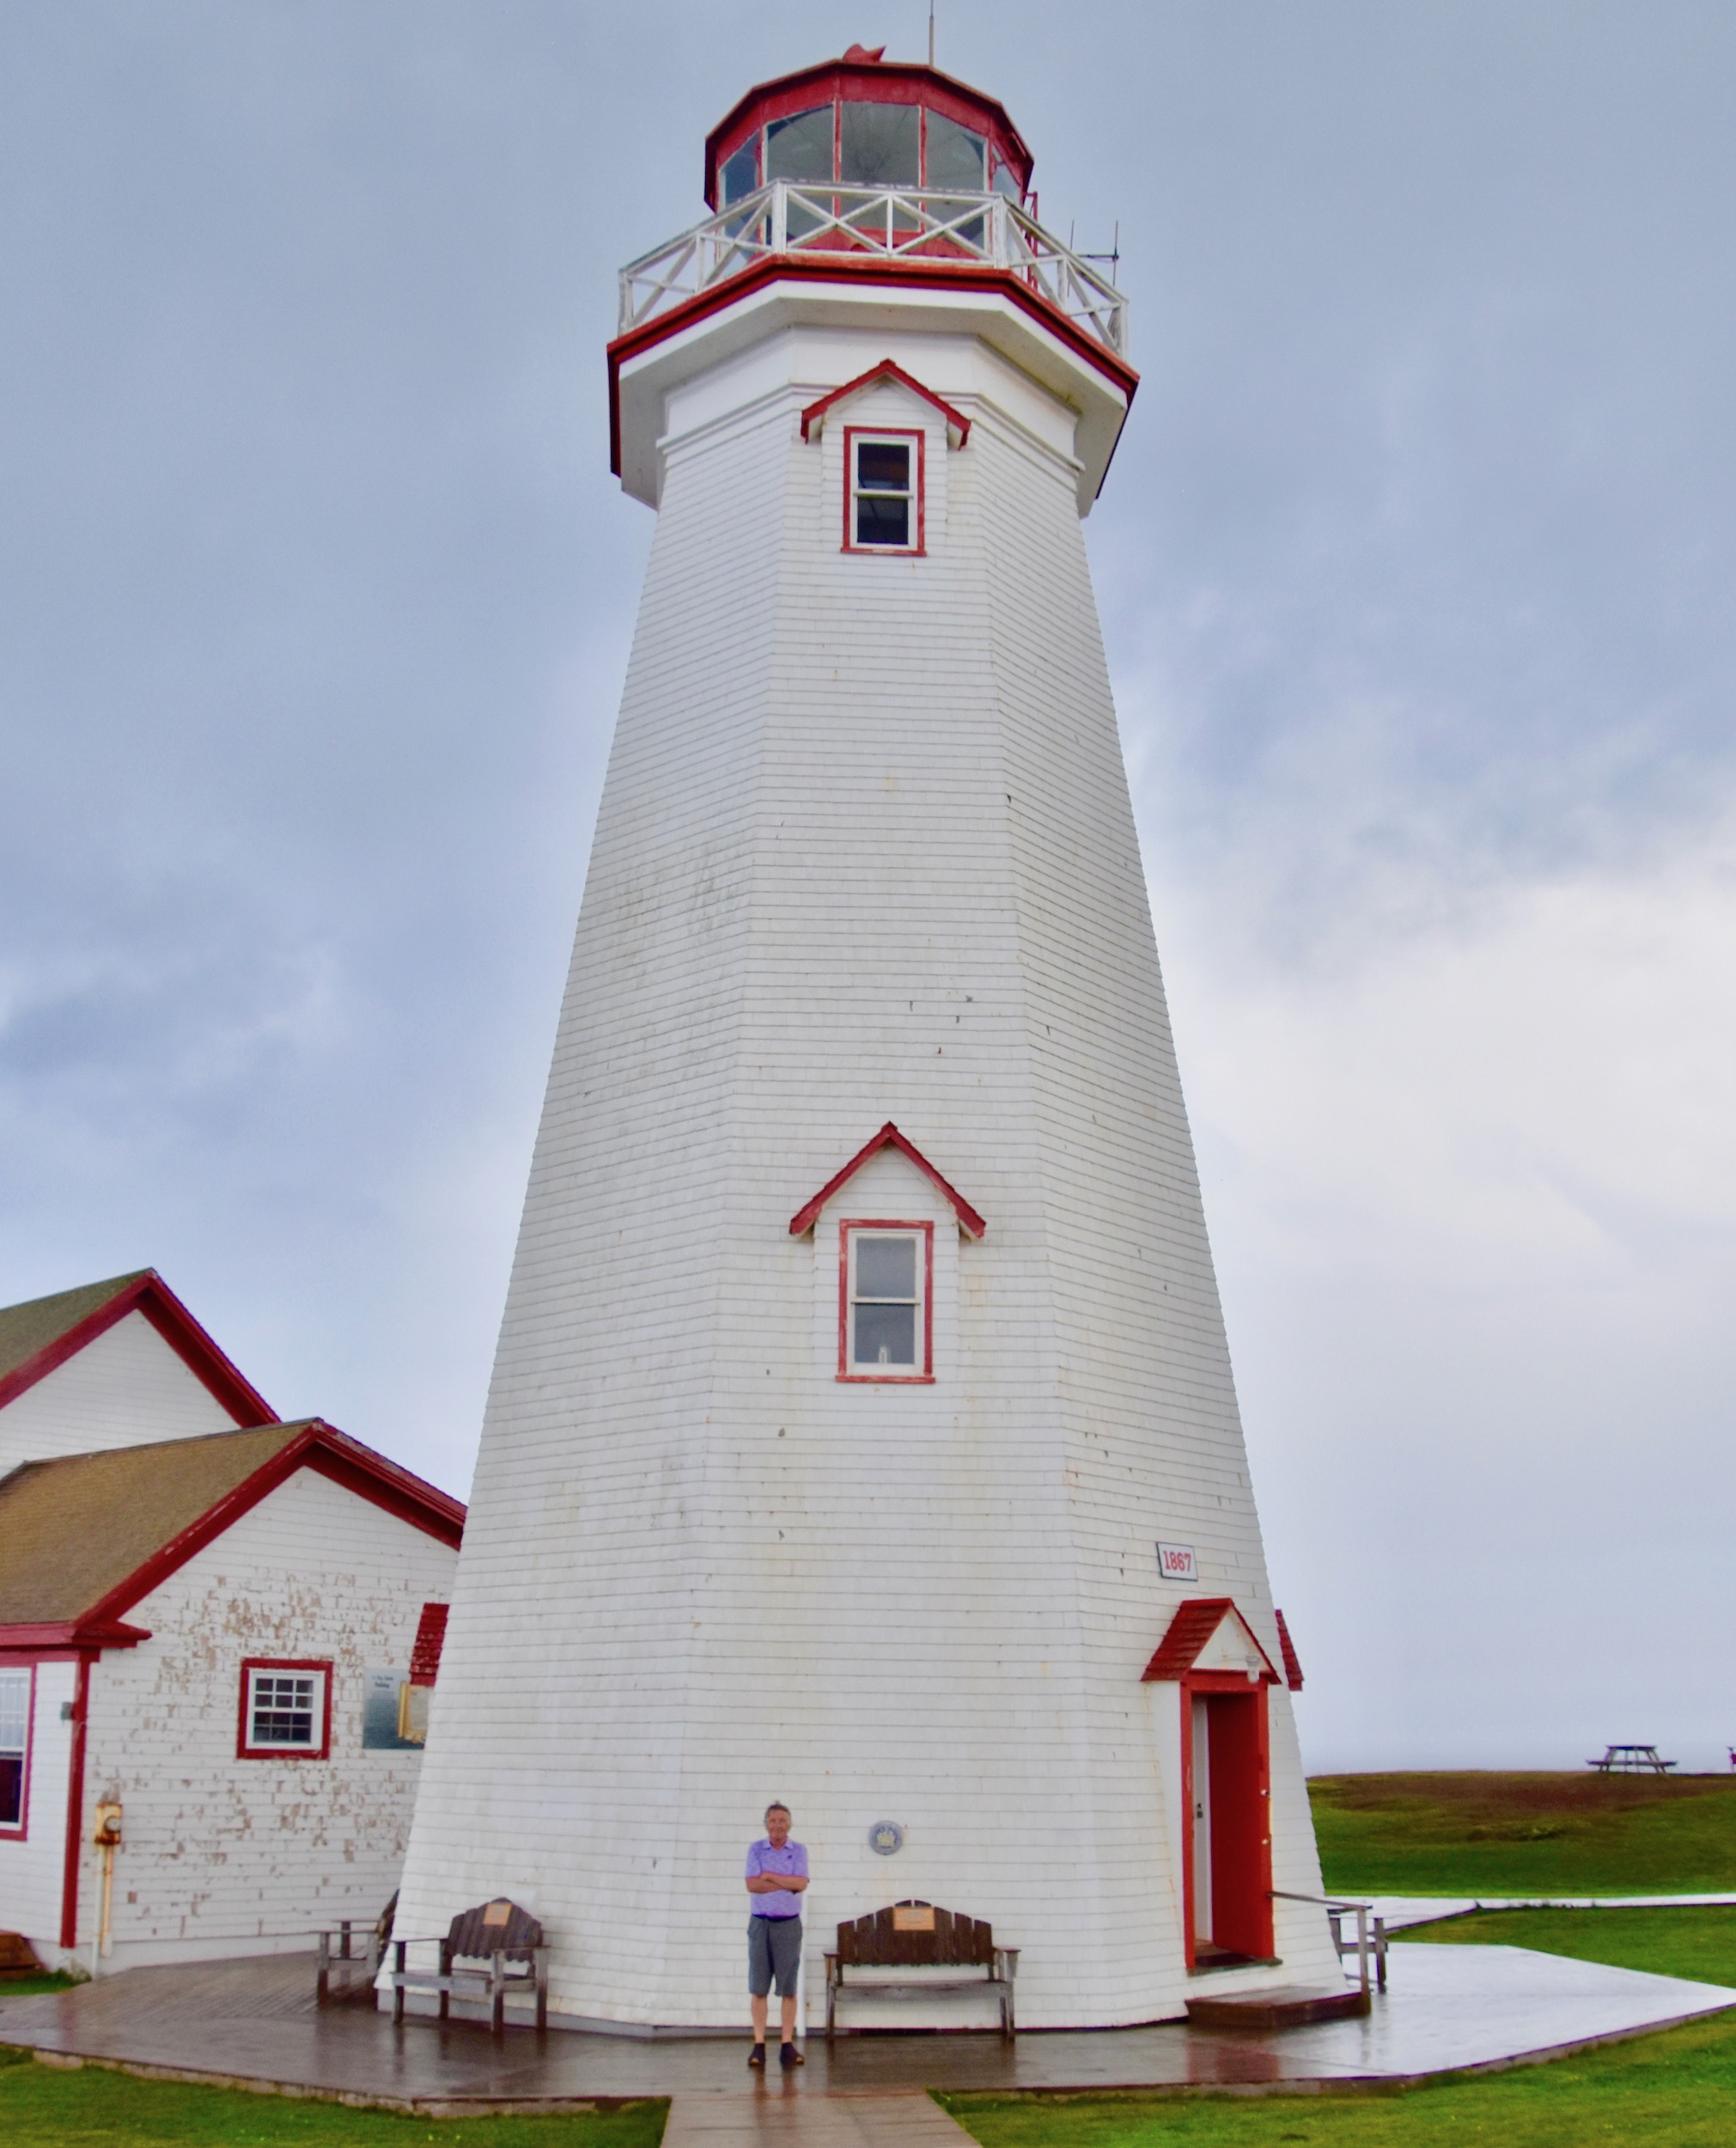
[286, 1709]
[885, 1318]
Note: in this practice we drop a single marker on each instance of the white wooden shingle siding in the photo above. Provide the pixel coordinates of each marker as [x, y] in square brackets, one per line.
[125, 1387]
[865, 852]
[221, 1855]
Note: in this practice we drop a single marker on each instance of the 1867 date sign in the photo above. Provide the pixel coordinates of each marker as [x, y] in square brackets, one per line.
[1176, 1562]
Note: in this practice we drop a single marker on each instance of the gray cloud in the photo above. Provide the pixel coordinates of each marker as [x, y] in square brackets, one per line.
[1414, 563]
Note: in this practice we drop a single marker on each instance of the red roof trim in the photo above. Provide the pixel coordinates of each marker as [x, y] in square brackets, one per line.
[397, 1490]
[1192, 1627]
[330, 1453]
[885, 370]
[888, 1137]
[876, 81]
[71, 1634]
[908, 274]
[430, 1640]
[150, 1295]
[1293, 1663]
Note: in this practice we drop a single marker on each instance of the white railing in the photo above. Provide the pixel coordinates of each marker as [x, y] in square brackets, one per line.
[1363, 1944]
[896, 222]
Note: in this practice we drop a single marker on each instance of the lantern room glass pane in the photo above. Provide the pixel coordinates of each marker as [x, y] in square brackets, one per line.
[956, 156]
[878, 146]
[800, 148]
[741, 171]
[885, 1335]
[886, 1267]
[1007, 183]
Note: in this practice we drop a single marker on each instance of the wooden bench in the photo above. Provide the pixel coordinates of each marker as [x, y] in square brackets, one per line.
[504, 1943]
[918, 1936]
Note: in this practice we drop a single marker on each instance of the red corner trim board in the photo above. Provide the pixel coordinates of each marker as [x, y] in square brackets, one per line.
[1192, 1627]
[149, 1295]
[814, 417]
[888, 1137]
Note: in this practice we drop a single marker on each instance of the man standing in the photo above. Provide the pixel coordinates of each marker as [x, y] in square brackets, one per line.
[777, 1879]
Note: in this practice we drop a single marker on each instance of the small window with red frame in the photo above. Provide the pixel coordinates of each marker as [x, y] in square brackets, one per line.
[286, 1711]
[886, 1330]
[16, 1687]
[883, 505]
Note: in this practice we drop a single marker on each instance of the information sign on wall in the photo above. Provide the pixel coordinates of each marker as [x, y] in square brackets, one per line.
[1176, 1562]
[383, 1713]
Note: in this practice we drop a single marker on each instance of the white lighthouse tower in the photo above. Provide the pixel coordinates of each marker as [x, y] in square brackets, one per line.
[863, 1431]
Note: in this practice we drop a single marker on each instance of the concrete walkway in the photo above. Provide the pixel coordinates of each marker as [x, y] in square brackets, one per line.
[254, 2024]
[781, 2114]
[1401, 1910]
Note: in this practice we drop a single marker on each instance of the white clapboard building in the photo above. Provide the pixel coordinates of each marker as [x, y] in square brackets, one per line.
[209, 1628]
[863, 1345]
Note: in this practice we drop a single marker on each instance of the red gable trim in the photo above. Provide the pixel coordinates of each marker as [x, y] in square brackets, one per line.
[147, 1294]
[385, 1484]
[431, 1639]
[885, 370]
[1191, 1627]
[1293, 1663]
[906, 272]
[328, 1452]
[67, 1636]
[888, 1137]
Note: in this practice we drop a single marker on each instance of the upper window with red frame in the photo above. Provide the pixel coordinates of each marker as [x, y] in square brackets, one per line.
[883, 503]
[885, 1327]
[16, 1687]
[286, 1711]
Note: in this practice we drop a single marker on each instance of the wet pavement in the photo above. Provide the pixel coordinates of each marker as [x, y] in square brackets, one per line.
[253, 2024]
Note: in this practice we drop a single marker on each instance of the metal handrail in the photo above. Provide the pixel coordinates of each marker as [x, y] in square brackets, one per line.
[1336, 1906]
[909, 223]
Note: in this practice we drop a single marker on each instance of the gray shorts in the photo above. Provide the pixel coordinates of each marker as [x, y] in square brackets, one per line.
[774, 1949]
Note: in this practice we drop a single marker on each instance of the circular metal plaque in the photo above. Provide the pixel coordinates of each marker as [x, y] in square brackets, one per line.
[885, 1837]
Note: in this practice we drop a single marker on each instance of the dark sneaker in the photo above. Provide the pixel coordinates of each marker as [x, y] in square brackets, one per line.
[757, 2056]
[790, 2056]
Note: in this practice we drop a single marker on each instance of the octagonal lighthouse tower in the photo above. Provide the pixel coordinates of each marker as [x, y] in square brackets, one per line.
[862, 1432]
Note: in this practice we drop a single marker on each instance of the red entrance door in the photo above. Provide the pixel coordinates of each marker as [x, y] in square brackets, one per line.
[1226, 1790]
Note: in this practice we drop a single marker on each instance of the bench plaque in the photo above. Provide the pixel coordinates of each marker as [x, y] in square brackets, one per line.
[918, 1917]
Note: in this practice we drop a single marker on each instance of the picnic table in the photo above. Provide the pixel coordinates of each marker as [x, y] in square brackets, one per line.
[1631, 1760]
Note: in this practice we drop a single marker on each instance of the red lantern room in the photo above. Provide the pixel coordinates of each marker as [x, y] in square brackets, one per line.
[866, 121]
[864, 182]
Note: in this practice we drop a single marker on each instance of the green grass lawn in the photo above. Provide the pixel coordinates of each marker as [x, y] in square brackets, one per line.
[1696, 1942]
[1488, 1833]
[1676, 2089]
[46, 2107]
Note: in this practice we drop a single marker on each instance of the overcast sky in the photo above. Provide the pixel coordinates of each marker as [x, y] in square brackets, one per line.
[1415, 572]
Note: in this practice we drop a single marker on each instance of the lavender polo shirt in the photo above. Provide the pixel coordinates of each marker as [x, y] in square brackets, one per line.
[792, 1862]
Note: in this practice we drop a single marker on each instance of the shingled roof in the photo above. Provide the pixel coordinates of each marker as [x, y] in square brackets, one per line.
[26, 1329]
[83, 1537]
[1196, 1621]
[72, 1529]
[45, 1332]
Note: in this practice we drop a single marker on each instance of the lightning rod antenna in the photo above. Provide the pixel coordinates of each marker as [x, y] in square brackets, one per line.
[931, 32]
